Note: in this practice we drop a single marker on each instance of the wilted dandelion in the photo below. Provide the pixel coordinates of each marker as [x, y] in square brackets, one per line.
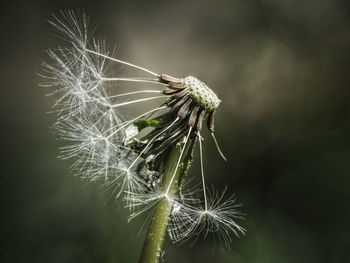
[144, 158]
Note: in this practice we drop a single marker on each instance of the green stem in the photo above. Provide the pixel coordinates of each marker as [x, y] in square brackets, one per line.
[155, 235]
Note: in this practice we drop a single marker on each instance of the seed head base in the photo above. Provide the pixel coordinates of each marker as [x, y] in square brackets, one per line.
[201, 94]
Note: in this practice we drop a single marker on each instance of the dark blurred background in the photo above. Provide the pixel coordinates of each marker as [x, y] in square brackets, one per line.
[282, 70]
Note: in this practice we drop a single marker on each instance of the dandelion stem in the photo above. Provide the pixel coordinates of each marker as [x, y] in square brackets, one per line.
[174, 160]
[178, 163]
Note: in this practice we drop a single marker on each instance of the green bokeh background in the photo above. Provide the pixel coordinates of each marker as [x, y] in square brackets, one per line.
[281, 68]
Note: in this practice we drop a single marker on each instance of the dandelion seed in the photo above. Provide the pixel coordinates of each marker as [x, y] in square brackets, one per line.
[218, 217]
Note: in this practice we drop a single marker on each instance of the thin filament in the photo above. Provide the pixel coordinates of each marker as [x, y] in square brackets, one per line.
[217, 147]
[133, 92]
[121, 95]
[202, 171]
[178, 162]
[135, 101]
[121, 62]
[155, 81]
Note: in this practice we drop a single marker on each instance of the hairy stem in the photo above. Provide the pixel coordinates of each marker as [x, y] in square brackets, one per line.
[155, 235]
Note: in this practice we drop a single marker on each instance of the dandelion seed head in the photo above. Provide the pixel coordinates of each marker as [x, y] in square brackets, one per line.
[128, 153]
[202, 94]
